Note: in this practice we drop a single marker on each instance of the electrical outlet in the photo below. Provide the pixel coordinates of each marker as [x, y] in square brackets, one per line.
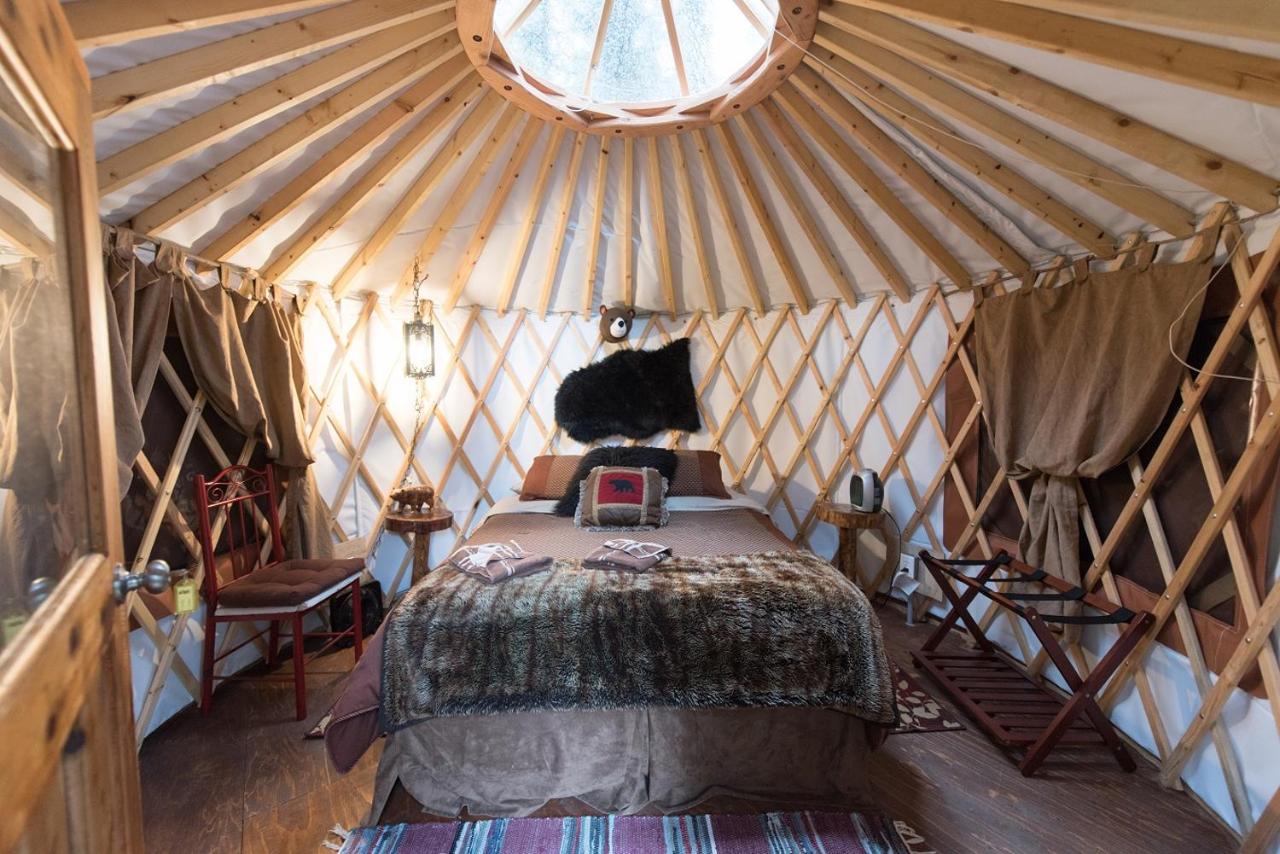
[907, 563]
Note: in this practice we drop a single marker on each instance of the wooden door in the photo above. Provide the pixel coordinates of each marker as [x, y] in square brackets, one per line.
[69, 773]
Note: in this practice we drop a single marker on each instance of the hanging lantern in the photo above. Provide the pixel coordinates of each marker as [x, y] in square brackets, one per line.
[419, 336]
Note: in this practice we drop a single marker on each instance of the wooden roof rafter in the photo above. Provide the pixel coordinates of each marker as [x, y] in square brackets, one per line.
[287, 257]
[658, 205]
[701, 247]
[881, 193]
[520, 245]
[1004, 127]
[1249, 19]
[477, 168]
[934, 131]
[1190, 63]
[260, 103]
[559, 233]
[737, 234]
[151, 81]
[97, 23]
[597, 225]
[440, 61]
[1193, 163]
[480, 235]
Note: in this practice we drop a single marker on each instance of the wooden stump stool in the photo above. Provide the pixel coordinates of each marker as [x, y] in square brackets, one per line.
[851, 522]
[421, 526]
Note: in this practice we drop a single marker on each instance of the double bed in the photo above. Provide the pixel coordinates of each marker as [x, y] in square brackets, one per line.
[742, 667]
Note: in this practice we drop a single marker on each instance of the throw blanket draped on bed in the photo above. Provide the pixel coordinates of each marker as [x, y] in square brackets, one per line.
[767, 629]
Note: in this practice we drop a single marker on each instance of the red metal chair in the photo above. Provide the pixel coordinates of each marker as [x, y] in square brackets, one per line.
[239, 516]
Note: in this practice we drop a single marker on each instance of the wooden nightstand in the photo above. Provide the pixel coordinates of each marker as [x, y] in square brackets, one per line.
[421, 526]
[851, 522]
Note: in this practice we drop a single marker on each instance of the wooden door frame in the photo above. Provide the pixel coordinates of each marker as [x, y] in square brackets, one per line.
[62, 723]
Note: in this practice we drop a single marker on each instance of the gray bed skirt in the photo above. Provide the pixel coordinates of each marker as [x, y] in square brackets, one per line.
[627, 760]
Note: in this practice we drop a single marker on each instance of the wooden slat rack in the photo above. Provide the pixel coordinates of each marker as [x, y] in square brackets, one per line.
[1016, 711]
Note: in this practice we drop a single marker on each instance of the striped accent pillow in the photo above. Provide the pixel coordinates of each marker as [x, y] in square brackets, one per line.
[549, 476]
[617, 498]
[698, 473]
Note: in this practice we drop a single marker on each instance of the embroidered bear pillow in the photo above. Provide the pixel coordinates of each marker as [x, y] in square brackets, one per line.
[618, 498]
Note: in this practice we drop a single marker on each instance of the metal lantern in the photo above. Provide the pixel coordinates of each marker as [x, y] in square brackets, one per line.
[419, 337]
[419, 348]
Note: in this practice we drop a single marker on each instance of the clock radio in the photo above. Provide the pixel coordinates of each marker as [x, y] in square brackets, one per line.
[866, 492]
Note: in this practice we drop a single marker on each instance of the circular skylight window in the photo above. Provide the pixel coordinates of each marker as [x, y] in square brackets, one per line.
[635, 66]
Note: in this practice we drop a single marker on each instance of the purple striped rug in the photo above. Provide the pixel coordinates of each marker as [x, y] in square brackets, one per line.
[772, 833]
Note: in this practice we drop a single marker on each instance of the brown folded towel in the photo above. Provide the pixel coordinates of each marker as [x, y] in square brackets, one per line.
[491, 562]
[626, 555]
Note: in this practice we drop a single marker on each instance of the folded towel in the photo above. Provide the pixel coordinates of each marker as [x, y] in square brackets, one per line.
[626, 555]
[492, 562]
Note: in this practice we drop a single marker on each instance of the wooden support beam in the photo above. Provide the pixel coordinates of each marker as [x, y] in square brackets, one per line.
[353, 148]
[849, 217]
[912, 173]
[597, 226]
[799, 209]
[218, 123]
[431, 124]
[1260, 840]
[442, 59]
[516, 250]
[97, 23]
[736, 229]
[821, 132]
[1188, 63]
[149, 82]
[659, 209]
[1007, 129]
[559, 239]
[480, 236]
[1191, 162]
[748, 185]
[701, 249]
[477, 169]
[628, 221]
[934, 131]
[1246, 19]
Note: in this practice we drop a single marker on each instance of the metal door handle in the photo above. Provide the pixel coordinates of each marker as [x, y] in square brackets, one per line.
[154, 579]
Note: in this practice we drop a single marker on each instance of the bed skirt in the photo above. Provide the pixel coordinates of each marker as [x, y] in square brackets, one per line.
[627, 761]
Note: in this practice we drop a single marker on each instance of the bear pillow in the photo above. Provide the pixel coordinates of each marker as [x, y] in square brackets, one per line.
[618, 498]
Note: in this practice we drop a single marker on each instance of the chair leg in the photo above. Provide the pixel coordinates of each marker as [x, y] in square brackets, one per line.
[357, 619]
[273, 643]
[206, 670]
[299, 673]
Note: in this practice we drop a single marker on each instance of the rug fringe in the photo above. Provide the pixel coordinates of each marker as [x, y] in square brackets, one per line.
[914, 841]
[339, 831]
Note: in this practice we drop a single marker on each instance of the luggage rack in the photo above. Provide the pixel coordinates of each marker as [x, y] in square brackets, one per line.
[1015, 710]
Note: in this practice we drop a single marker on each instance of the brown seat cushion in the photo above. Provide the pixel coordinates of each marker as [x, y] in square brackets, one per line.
[284, 585]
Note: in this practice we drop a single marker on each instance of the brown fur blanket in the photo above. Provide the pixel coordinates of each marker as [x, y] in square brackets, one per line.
[768, 629]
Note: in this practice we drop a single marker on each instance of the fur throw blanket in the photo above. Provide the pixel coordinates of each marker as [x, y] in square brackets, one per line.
[632, 393]
[767, 629]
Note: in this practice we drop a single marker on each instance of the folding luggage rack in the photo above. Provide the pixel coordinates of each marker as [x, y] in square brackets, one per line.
[1014, 709]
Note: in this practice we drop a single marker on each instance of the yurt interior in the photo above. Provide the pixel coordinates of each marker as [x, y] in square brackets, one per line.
[640, 426]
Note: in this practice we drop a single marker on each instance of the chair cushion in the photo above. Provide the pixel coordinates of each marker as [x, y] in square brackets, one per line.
[286, 584]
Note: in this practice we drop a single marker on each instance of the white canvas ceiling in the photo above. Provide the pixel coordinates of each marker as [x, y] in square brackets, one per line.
[218, 181]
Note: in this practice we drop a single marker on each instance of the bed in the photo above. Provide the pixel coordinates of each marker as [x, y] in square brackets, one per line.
[617, 732]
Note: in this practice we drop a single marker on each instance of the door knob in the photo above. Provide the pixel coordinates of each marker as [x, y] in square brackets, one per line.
[154, 579]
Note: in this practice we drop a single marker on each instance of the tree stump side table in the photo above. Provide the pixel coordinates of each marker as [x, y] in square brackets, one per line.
[421, 526]
[850, 523]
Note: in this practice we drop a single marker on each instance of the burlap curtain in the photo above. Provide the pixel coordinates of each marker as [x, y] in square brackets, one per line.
[1074, 380]
[245, 355]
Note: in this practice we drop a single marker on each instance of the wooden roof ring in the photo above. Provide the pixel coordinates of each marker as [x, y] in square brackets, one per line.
[782, 53]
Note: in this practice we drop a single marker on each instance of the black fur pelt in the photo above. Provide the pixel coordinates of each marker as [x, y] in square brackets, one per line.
[632, 393]
[616, 455]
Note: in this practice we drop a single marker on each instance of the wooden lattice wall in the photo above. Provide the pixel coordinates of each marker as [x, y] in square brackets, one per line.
[793, 401]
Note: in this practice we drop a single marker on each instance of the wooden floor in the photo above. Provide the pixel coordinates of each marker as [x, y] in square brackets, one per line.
[243, 779]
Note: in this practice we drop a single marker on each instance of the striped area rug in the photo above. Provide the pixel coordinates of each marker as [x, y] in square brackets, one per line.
[772, 833]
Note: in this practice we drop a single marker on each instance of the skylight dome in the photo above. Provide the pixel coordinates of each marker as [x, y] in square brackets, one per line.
[635, 66]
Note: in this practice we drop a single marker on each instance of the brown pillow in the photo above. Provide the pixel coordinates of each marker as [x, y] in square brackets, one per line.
[549, 477]
[614, 498]
[698, 473]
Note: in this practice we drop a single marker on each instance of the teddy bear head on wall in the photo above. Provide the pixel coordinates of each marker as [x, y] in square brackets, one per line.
[615, 323]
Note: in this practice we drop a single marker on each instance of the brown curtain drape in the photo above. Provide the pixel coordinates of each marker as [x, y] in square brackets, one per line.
[245, 355]
[1074, 380]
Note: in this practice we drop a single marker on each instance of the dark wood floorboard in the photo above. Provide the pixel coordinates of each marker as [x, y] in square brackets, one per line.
[243, 779]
